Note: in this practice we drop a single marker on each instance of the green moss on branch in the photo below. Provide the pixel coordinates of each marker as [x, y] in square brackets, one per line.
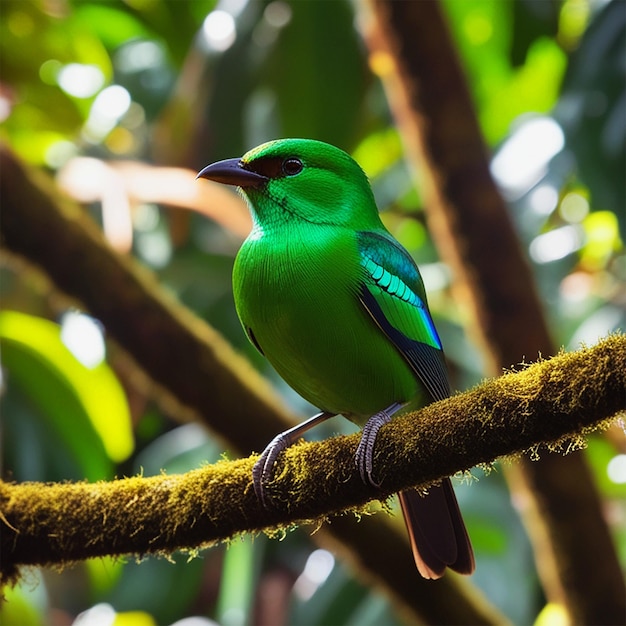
[545, 404]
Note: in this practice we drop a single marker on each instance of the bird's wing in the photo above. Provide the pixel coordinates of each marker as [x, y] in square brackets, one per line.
[392, 292]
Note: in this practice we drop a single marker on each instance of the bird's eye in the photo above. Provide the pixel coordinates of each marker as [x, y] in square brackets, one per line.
[292, 166]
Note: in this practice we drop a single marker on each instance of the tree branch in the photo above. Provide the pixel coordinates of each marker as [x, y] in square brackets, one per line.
[550, 405]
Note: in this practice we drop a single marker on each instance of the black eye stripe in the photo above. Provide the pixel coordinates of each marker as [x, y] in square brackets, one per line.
[271, 167]
[275, 167]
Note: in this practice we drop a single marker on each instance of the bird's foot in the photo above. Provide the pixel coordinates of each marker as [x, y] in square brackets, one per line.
[364, 457]
[263, 469]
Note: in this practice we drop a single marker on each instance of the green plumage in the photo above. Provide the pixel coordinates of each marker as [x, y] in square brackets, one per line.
[297, 279]
[314, 331]
[336, 304]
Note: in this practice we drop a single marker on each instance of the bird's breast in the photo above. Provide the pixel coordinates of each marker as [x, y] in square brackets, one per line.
[298, 297]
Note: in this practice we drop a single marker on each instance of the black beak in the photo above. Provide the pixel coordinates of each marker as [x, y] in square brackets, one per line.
[231, 172]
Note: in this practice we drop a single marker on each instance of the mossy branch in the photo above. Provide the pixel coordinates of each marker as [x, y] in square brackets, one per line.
[552, 403]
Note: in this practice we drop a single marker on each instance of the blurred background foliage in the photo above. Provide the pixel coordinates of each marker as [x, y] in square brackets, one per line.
[88, 86]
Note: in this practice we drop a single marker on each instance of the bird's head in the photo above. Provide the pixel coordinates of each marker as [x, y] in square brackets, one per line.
[300, 179]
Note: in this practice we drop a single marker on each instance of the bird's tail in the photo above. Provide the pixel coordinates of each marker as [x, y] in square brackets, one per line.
[437, 532]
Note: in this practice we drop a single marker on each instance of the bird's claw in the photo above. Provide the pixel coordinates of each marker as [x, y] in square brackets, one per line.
[264, 468]
[364, 457]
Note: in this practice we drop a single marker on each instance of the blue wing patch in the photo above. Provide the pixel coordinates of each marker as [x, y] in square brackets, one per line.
[427, 362]
[395, 286]
[393, 294]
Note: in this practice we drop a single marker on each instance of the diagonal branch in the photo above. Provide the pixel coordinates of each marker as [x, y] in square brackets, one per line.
[550, 404]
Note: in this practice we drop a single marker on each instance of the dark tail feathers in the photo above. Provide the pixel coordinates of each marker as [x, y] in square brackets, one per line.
[437, 532]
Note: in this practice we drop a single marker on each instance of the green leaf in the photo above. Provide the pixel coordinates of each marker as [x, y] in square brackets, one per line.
[321, 89]
[24, 603]
[490, 45]
[235, 602]
[165, 589]
[112, 25]
[532, 19]
[34, 46]
[591, 109]
[87, 407]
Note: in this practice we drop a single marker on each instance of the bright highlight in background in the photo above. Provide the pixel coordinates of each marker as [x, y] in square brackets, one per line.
[524, 156]
[112, 102]
[109, 106]
[140, 56]
[557, 244]
[544, 199]
[219, 30]
[277, 14]
[80, 81]
[83, 337]
[574, 207]
[318, 568]
[616, 469]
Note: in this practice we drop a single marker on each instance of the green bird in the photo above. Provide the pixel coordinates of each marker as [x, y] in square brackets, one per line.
[339, 309]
